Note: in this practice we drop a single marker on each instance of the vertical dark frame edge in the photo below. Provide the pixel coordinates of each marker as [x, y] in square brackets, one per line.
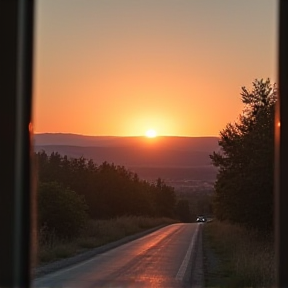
[16, 58]
[281, 151]
[23, 147]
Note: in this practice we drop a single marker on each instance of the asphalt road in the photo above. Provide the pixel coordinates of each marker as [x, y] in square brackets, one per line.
[165, 258]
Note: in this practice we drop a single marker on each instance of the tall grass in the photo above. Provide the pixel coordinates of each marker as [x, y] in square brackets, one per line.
[95, 234]
[243, 257]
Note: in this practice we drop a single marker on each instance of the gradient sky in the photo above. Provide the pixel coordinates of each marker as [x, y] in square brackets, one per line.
[121, 67]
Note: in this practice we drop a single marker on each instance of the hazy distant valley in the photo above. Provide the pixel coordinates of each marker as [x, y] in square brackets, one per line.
[182, 162]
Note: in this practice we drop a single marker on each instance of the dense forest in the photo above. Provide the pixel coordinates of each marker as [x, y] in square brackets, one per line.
[71, 190]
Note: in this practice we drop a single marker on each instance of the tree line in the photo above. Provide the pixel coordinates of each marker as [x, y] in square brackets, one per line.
[245, 162]
[71, 190]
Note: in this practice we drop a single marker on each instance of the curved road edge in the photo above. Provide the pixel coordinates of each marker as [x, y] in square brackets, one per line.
[64, 263]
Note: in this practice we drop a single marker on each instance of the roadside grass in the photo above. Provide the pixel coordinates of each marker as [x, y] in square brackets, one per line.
[95, 234]
[236, 257]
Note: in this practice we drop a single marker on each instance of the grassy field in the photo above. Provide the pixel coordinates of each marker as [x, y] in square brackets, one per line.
[235, 257]
[97, 233]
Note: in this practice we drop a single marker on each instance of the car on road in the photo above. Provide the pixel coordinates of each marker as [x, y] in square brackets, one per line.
[201, 219]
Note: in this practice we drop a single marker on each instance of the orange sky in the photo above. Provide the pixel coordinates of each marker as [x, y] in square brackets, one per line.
[121, 67]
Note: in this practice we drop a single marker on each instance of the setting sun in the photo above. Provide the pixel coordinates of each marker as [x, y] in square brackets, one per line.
[151, 133]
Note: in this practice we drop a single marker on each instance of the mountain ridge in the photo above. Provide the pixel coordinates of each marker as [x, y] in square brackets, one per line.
[162, 156]
[171, 142]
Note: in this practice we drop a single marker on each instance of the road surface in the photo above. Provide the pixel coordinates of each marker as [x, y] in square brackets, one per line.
[164, 258]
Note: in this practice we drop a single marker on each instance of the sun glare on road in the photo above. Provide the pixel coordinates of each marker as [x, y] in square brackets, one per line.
[151, 133]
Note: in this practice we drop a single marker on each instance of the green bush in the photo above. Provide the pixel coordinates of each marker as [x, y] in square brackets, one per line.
[61, 210]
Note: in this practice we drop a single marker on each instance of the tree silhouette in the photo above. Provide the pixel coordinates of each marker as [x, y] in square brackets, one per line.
[109, 190]
[244, 185]
[61, 210]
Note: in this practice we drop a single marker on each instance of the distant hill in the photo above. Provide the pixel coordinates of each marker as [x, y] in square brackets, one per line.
[171, 142]
[134, 152]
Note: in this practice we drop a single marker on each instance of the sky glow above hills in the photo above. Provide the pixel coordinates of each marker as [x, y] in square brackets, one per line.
[121, 67]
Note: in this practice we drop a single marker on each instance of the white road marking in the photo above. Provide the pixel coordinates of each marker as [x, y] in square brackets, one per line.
[185, 262]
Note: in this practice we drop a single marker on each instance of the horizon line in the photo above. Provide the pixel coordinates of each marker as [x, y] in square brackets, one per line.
[126, 136]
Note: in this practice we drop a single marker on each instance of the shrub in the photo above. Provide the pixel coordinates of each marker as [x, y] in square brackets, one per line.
[61, 210]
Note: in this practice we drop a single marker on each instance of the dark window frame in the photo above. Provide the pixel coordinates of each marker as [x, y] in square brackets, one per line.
[16, 196]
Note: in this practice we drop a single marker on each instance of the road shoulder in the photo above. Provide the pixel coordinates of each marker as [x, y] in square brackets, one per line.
[197, 276]
[64, 263]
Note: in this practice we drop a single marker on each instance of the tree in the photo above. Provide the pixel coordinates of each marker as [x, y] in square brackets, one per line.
[244, 185]
[183, 210]
[61, 209]
[165, 199]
